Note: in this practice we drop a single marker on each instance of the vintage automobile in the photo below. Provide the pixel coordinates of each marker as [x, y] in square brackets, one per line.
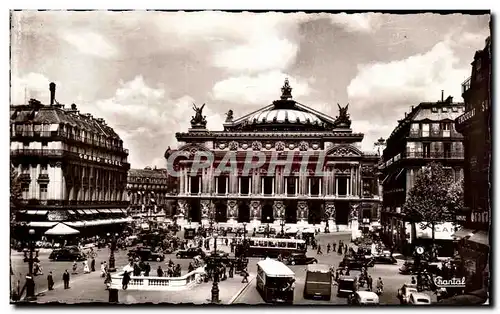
[418, 298]
[190, 253]
[71, 253]
[409, 268]
[146, 254]
[347, 285]
[405, 292]
[357, 262]
[363, 298]
[385, 259]
[300, 259]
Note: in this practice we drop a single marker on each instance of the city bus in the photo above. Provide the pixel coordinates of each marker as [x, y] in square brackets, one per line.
[271, 247]
[318, 282]
[275, 281]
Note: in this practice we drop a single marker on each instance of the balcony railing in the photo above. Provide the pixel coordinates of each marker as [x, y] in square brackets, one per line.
[74, 203]
[466, 85]
[433, 155]
[94, 142]
[37, 152]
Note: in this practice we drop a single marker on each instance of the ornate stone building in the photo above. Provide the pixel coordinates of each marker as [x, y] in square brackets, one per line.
[146, 190]
[310, 168]
[72, 167]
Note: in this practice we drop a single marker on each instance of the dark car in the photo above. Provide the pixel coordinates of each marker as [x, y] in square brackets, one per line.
[385, 259]
[190, 253]
[356, 262]
[300, 259]
[67, 254]
[146, 254]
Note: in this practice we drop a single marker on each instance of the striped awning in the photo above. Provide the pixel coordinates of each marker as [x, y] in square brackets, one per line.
[124, 211]
[104, 211]
[94, 211]
[71, 212]
[88, 211]
[43, 224]
[116, 211]
[81, 212]
[31, 212]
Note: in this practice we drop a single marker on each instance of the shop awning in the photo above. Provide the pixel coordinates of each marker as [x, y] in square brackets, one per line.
[124, 211]
[43, 224]
[104, 211]
[462, 233]
[71, 212]
[62, 229]
[116, 211]
[480, 237]
[31, 212]
[88, 211]
[399, 173]
[386, 178]
[81, 212]
[94, 211]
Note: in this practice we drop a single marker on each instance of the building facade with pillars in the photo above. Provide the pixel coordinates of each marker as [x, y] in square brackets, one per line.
[285, 161]
[72, 166]
[147, 190]
[475, 125]
[424, 135]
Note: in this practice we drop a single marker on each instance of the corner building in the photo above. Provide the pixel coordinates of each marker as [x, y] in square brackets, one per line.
[344, 191]
[72, 167]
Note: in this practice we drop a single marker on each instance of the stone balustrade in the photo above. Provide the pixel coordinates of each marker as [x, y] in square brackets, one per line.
[153, 283]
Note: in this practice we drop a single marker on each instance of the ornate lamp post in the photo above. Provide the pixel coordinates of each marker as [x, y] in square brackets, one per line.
[30, 281]
[112, 249]
[215, 285]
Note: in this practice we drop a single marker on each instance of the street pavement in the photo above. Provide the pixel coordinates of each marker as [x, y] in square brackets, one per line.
[90, 287]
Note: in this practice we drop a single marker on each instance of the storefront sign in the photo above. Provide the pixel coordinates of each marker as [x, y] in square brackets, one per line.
[442, 231]
[449, 283]
[102, 160]
[57, 215]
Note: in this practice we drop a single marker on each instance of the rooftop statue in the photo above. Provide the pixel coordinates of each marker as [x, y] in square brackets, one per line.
[343, 120]
[229, 116]
[198, 120]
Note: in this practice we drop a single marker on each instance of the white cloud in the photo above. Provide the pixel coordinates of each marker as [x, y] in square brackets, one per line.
[358, 22]
[259, 89]
[31, 85]
[89, 43]
[412, 80]
[147, 118]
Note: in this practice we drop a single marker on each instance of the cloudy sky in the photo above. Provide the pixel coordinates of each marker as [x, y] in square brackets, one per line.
[141, 71]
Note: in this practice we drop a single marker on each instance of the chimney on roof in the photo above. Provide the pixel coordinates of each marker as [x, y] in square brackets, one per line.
[405, 114]
[73, 107]
[449, 100]
[52, 88]
[442, 95]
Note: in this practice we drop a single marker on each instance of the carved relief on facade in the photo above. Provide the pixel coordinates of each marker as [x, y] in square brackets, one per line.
[205, 208]
[354, 214]
[244, 146]
[256, 145]
[291, 146]
[233, 145]
[330, 210]
[232, 208]
[255, 209]
[315, 146]
[269, 146]
[302, 210]
[279, 146]
[182, 207]
[303, 146]
[222, 145]
[343, 151]
[367, 171]
[340, 169]
[278, 209]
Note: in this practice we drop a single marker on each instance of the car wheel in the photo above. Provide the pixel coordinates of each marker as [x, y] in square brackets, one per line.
[158, 259]
[292, 262]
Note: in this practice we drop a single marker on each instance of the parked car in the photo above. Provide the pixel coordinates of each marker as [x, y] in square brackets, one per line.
[363, 298]
[356, 262]
[146, 254]
[419, 299]
[300, 259]
[405, 292]
[67, 254]
[190, 253]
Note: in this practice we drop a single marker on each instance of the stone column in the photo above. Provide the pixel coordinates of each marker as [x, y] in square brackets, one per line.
[181, 182]
[333, 185]
[232, 211]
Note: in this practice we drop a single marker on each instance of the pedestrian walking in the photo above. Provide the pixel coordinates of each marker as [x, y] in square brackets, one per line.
[413, 281]
[334, 246]
[231, 269]
[319, 252]
[103, 270]
[339, 252]
[86, 269]
[92, 264]
[159, 272]
[370, 283]
[328, 247]
[75, 268]
[107, 281]
[147, 269]
[245, 276]
[66, 279]
[50, 281]
[125, 280]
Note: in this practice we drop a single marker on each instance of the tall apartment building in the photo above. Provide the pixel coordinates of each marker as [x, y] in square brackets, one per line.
[425, 134]
[475, 125]
[147, 190]
[72, 166]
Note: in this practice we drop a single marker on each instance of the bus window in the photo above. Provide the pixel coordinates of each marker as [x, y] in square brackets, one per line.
[262, 243]
[282, 244]
[291, 245]
[301, 246]
[272, 244]
[252, 243]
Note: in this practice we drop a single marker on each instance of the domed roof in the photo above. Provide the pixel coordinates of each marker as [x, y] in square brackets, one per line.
[288, 116]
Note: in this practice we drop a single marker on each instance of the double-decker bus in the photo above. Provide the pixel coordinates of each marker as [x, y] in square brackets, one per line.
[275, 281]
[270, 247]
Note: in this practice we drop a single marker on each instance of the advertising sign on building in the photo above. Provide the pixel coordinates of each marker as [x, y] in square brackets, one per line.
[442, 231]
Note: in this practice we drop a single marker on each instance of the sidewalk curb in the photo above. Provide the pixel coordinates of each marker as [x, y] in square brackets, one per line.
[240, 292]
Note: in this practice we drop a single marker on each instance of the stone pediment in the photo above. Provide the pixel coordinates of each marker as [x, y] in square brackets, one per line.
[193, 148]
[344, 151]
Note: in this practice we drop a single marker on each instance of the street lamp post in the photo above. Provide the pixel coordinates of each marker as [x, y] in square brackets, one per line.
[30, 282]
[112, 248]
[282, 223]
[215, 261]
